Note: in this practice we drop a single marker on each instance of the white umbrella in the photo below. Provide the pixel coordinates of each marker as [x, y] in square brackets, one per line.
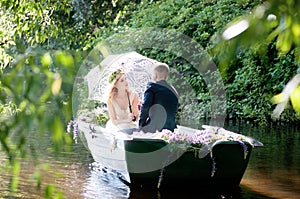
[138, 70]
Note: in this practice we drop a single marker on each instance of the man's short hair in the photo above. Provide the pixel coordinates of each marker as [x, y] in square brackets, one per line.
[161, 70]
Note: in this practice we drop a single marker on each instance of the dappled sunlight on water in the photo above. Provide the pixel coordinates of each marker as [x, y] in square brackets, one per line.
[67, 177]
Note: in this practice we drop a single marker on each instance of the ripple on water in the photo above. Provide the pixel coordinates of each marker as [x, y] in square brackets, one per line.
[102, 182]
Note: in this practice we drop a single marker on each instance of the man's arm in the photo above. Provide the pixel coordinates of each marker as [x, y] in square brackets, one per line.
[144, 113]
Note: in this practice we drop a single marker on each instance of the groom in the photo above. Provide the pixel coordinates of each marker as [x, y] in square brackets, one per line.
[160, 104]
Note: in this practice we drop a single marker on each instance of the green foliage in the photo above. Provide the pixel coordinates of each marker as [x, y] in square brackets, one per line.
[36, 79]
[254, 84]
[102, 118]
[67, 24]
[251, 78]
[273, 21]
[36, 97]
[196, 19]
[34, 21]
[271, 35]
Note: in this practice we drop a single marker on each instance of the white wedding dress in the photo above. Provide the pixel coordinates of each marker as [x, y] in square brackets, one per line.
[121, 115]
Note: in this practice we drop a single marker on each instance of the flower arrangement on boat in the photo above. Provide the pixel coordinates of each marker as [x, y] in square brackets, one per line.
[203, 141]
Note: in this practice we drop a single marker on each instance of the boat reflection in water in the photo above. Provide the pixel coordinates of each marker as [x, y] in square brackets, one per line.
[107, 184]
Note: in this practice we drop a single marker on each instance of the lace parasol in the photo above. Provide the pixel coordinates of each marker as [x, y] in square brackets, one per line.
[138, 70]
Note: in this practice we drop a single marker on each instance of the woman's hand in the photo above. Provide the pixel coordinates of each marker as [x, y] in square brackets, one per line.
[132, 117]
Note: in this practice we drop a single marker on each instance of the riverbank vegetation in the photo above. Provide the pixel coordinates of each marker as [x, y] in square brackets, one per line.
[43, 44]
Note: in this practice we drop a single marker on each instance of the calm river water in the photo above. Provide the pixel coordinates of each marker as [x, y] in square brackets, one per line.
[273, 171]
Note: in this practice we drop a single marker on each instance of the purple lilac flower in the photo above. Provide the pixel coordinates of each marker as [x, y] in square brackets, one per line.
[69, 126]
[198, 138]
[175, 137]
[75, 132]
[203, 137]
[73, 125]
[179, 138]
[166, 134]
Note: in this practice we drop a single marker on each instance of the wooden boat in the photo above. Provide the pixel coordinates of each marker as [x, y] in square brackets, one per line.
[151, 161]
[188, 169]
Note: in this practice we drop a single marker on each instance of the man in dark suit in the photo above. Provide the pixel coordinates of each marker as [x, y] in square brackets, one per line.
[160, 103]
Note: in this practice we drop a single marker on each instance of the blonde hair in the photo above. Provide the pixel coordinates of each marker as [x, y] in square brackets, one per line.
[113, 79]
[161, 70]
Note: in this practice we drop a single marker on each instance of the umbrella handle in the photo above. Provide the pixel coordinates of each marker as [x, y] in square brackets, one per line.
[130, 109]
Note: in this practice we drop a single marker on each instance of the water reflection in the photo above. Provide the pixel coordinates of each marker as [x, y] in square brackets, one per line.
[185, 192]
[273, 172]
[105, 184]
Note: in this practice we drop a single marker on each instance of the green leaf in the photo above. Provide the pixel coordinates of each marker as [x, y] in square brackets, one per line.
[65, 59]
[49, 191]
[284, 41]
[295, 99]
[46, 60]
[15, 177]
[57, 133]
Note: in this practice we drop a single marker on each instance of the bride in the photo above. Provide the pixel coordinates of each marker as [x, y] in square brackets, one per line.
[122, 103]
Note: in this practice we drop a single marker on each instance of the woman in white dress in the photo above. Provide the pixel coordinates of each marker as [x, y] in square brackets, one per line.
[122, 103]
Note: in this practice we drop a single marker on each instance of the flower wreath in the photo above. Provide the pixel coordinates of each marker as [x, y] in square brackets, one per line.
[115, 74]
